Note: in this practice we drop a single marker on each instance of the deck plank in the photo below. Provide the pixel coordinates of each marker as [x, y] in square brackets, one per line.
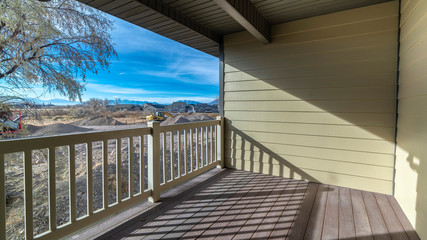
[227, 212]
[378, 227]
[255, 199]
[392, 222]
[243, 205]
[403, 219]
[361, 222]
[330, 226]
[285, 223]
[258, 218]
[346, 221]
[298, 231]
[317, 216]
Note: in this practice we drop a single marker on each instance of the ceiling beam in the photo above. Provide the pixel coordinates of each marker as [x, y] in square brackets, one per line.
[173, 14]
[247, 15]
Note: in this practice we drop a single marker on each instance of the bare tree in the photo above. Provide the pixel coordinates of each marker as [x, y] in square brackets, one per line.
[52, 44]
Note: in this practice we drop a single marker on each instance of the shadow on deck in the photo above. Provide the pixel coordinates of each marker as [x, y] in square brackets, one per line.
[231, 204]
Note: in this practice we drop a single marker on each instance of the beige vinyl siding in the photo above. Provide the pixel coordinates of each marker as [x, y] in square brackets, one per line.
[318, 103]
[411, 153]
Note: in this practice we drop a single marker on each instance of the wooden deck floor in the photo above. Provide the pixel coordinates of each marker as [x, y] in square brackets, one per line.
[234, 204]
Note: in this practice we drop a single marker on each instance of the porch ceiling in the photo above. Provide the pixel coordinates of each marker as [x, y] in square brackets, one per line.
[202, 23]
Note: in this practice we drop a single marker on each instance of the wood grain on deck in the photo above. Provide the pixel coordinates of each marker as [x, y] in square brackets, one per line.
[243, 205]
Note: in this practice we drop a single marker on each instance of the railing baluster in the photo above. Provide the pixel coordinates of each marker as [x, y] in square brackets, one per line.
[28, 191]
[72, 183]
[191, 150]
[202, 153]
[185, 152]
[119, 170]
[179, 153]
[164, 157]
[211, 144]
[52, 189]
[105, 173]
[141, 164]
[216, 143]
[154, 161]
[130, 166]
[197, 148]
[89, 178]
[172, 148]
[2, 199]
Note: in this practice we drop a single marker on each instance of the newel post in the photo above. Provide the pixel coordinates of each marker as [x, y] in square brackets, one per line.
[220, 142]
[154, 161]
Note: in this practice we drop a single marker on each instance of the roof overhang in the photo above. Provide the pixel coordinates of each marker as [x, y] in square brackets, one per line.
[201, 24]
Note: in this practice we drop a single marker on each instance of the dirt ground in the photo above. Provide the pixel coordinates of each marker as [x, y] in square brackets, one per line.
[14, 168]
[60, 126]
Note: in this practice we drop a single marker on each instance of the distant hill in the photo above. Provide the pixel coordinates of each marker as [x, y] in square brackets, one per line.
[214, 102]
[189, 102]
[126, 101]
[54, 102]
[62, 102]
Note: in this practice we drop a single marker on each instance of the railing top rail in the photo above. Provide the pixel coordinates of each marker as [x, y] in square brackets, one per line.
[19, 145]
[183, 126]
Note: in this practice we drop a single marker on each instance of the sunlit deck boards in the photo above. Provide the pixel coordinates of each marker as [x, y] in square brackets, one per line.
[234, 204]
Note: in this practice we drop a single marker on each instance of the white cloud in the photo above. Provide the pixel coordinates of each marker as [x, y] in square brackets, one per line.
[107, 88]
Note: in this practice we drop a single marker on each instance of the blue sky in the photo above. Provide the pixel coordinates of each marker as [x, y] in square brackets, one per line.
[152, 68]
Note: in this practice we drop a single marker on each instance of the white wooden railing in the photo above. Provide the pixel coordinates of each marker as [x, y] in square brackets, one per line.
[144, 161]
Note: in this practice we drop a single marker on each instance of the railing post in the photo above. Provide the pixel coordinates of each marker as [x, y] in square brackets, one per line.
[220, 142]
[154, 161]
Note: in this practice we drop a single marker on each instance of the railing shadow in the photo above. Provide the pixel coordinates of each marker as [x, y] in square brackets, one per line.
[264, 152]
[167, 203]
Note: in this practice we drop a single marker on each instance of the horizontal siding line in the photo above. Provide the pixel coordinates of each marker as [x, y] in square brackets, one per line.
[411, 133]
[305, 148]
[324, 39]
[298, 78]
[403, 10]
[313, 135]
[233, 110]
[405, 81]
[375, 48]
[409, 16]
[414, 43]
[302, 100]
[413, 61]
[332, 113]
[327, 64]
[340, 149]
[320, 53]
[413, 97]
[391, 17]
[316, 170]
[310, 88]
[322, 76]
[323, 159]
[323, 100]
[317, 124]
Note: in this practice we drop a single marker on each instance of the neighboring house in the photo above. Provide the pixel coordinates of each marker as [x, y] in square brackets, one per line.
[190, 108]
[148, 107]
[206, 108]
[124, 107]
[176, 107]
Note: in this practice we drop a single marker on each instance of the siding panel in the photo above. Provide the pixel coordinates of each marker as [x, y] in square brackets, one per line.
[411, 153]
[319, 101]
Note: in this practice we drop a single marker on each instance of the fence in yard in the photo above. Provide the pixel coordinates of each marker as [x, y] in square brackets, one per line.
[53, 186]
